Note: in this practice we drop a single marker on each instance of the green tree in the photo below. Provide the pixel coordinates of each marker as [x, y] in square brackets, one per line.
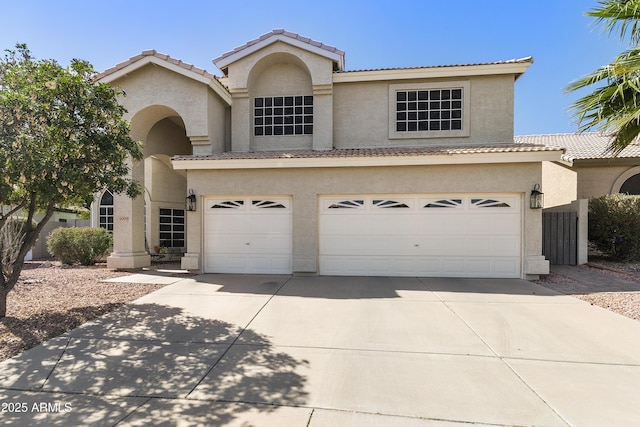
[62, 139]
[614, 104]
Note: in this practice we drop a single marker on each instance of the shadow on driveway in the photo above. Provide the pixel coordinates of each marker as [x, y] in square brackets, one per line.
[127, 356]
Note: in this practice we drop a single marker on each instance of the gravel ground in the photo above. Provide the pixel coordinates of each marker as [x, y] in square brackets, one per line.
[622, 299]
[49, 300]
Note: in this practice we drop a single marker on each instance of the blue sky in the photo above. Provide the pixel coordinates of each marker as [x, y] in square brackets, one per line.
[374, 34]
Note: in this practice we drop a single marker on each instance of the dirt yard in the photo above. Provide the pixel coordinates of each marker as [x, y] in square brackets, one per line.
[50, 299]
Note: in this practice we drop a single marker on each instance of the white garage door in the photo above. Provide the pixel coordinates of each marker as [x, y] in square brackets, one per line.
[423, 235]
[247, 235]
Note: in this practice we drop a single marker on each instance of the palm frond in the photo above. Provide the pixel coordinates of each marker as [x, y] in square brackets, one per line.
[613, 106]
[619, 15]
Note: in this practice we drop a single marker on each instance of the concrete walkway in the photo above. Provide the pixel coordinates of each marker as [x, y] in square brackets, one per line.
[231, 350]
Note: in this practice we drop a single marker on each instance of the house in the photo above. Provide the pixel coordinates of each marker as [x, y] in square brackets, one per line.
[297, 165]
[61, 217]
[598, 171]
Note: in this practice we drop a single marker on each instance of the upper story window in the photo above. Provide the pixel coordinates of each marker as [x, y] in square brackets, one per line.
[424, 110]
[429, 110]
[283, 115]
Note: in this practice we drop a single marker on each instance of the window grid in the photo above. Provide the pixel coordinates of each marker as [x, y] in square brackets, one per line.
[283, 115]
[172, 228]
[105, 219]
[429, 110]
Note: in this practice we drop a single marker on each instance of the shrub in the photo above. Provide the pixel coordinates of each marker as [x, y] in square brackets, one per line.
[614, 225]
[83, 245]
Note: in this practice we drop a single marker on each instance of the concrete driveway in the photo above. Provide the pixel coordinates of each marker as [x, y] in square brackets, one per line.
[231, 350]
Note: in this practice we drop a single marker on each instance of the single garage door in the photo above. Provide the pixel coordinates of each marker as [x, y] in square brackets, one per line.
[247, 235]
[471, 235]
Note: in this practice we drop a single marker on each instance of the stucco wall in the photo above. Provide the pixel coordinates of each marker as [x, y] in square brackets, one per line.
[305, 185]
[154, 93]
[361, 113]
[559, 184]
[164, 188]
[281, 69]
[280, 79]
[166, 137]
[319, 68]
[596, 181]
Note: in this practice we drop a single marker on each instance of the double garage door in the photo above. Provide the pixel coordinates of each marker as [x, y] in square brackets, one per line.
[473, 235]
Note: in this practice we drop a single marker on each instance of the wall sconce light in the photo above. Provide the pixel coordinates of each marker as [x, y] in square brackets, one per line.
[190, 201]
[537, 198]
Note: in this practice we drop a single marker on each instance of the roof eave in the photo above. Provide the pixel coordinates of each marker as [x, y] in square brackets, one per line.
[213, 83]
[516, 68]
[326, 162]
[222, 62]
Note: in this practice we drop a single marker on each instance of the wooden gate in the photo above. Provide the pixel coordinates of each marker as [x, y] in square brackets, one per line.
[560, 237]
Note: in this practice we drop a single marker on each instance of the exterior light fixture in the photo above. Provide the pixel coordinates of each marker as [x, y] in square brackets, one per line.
[537, 198]
[190, 201]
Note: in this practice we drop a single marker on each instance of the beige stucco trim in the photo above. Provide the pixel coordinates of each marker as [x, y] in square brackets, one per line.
[617, 184]
[465, 85]
[222, 63]
[516, 68]
[320, 162]
[212, 83]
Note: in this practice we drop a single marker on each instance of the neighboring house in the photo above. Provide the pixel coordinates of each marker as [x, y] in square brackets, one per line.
[298, 165]
[599, 172]
[61, 217]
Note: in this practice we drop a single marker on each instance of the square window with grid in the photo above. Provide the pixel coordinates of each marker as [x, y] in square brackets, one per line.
[429, 110]
[106, 217]
[283, 115]
[172, 228]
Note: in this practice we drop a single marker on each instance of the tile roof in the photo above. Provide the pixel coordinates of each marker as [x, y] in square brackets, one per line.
[526, 60]
[282, 32]
[580, 146]
[374, 152]
[162, 56]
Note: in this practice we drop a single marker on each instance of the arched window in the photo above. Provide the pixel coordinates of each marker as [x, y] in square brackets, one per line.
[106, 211]
[631, 185]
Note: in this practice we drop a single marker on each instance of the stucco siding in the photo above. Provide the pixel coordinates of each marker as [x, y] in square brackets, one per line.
[361, 114]
[218, 112]
[595, 181]
[153, 85]
[165, 137]
[559, 184]
[319, 68]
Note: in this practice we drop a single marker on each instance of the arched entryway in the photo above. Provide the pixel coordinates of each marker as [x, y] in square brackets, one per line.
[156, 219]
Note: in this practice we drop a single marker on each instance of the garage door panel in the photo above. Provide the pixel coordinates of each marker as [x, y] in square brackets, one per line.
[479, 246]
[505, 246]
[479, 267]
[464, 235]
[507, 267]
[248, 235]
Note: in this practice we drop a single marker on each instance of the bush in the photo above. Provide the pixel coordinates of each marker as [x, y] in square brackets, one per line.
[83, 245]
[614, 225]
